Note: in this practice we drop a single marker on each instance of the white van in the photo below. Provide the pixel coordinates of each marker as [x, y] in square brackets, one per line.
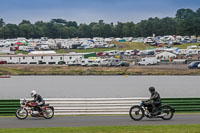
[148, 61]
[26, 48]
[90, 62]
[129, 52]
[113, 62]
[104, 62]
[44, 47]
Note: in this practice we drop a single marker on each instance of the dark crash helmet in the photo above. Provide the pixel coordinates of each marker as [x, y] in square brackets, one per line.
[152, 89]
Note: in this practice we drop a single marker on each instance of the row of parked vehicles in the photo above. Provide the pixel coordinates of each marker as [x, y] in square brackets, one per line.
[99, 62]
[194, 64]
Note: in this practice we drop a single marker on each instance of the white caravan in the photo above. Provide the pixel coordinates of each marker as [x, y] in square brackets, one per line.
[148, 61]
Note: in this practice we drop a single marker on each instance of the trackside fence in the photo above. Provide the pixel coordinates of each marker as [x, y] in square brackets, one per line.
[84, 106]
[8, 107]
[183, 104]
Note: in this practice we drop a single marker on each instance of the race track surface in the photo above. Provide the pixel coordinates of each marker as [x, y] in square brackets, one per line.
[78, 121]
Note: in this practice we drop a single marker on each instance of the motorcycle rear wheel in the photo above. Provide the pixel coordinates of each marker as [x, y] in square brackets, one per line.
[167, 110]
[48, 113]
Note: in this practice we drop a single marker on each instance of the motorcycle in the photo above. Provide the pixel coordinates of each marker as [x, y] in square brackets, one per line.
[164, 112]
[28, 107]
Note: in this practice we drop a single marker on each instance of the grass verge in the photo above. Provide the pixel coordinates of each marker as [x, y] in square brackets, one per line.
[111, 129]
[76, 70]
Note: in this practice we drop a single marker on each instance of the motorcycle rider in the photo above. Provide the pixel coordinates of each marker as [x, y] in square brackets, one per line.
[154, 100]
[39, 100]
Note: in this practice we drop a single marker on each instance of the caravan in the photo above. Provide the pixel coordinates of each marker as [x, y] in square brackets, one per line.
[148, 61]
[113, 62]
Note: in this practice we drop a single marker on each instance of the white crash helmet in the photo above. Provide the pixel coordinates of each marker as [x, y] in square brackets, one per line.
[33, 93]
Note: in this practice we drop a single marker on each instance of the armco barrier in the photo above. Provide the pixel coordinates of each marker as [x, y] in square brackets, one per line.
[183, 104]
[79, 106]
[8, 107]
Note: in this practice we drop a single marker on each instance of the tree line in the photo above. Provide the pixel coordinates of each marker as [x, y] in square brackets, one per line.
[186, 22]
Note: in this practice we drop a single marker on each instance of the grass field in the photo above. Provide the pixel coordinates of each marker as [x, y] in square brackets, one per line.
[113, 129]
[127, 46]
[78, 70]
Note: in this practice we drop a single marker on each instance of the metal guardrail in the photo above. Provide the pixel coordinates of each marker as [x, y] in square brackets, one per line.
[8, 107]
[183, 104]
[83, 106]
[79, 106]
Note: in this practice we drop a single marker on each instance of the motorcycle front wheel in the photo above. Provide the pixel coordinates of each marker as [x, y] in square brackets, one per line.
[21, 113]
[136, 113]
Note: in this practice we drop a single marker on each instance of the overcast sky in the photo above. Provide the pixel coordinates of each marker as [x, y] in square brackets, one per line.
[86, 11]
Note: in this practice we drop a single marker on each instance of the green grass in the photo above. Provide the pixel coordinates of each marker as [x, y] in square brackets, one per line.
[119, 46]
[21, 52]
[92, 50]
[75, 70]
[111, 129]
[184, 45]
[84, 50]
[125, 46]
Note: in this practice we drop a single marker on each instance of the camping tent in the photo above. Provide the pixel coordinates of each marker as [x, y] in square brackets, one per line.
[165, 56]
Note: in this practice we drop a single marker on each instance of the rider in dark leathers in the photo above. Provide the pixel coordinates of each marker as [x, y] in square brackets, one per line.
[154, 100]
[38, 99]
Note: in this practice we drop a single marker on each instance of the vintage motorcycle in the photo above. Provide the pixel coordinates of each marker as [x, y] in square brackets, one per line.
[28, 107]
[143, 110]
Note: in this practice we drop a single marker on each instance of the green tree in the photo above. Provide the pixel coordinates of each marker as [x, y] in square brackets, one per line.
[107, 30]
[2, 23]
[185, 22]
[117, 31]
[26, 30]
[72, 32]
[184, 13]
[167, 26]
[10, 31]
[127, 29]
[96, 30]
[85, 31]
[25, 22]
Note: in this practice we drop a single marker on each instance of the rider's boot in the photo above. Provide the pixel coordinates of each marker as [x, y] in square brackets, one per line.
[42, 110]
[40, 114]
[154, 111]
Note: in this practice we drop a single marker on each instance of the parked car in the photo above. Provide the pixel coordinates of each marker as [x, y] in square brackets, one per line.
[73, 63]
[100, 54]
[198, 66]
[194, 64]
[3, 62]
[123, 63]
[189, 55]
